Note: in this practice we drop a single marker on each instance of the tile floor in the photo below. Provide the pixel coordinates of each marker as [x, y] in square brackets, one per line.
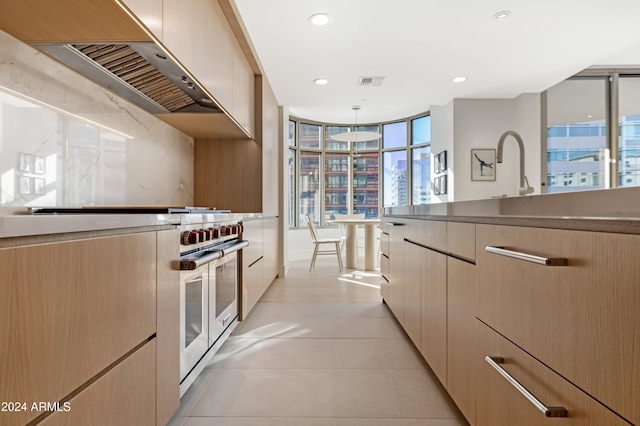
[320, 349]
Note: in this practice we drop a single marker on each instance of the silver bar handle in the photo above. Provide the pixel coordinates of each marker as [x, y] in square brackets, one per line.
[495, 362]
[191, 264]
[546, 261]
[238, 246]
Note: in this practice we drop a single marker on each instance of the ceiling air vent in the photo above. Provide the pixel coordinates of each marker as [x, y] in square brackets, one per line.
[370, 81]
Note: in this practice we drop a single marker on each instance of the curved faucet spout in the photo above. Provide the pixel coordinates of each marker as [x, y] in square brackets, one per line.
[524, 182]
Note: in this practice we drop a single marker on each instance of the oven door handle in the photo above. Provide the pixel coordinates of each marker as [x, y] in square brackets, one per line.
[237, 246]
[191, 264]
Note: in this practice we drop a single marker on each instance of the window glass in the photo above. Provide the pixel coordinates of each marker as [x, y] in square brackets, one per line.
[367, 145]
[421, 130]
[309, 184]
[336, 175]
[292, 133]
[310, 136]
[629, 137]
[365, 184]
[421, 175]
[395, 178]
[576, 135]
[332, 145]
[292, 187]
[394, 135]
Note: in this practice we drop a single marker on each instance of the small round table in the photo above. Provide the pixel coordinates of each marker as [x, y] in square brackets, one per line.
[352, 241]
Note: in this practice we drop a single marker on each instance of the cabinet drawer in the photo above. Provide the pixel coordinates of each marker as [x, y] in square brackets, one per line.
[124, 396]
[461, 239]
[580, 319]
[432, 234]
[498, 402]
[81, 307]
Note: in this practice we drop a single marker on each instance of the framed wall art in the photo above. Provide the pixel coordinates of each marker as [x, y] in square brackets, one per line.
[483, 164]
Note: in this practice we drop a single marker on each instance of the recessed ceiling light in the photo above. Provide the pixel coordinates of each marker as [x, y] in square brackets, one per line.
[321, 81]
[320, 19]
[504, 14]
[459, 79]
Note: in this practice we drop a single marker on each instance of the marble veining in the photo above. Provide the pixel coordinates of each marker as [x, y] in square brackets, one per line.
[66, 141]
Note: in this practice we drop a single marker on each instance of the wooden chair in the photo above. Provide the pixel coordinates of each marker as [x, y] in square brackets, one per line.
[319, 241]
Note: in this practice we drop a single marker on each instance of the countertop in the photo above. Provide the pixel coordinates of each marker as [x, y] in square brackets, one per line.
[610, 210]
[17, 222]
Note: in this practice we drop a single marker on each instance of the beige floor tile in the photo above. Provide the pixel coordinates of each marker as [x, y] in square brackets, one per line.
[315, 421]
[318, 353]
[319, 349]
[419, 394]
[268, 393]
[319, 328]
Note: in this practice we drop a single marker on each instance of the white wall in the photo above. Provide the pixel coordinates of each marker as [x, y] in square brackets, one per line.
[464, 124]
[442, 140]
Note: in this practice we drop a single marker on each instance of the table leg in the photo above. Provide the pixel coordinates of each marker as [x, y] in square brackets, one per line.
[370, 247]
[352, 246]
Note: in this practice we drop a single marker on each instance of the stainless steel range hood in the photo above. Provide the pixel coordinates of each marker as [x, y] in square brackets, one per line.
[140, 72]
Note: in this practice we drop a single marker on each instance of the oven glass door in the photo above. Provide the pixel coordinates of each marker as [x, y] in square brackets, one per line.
[194, 317]
[223, 300]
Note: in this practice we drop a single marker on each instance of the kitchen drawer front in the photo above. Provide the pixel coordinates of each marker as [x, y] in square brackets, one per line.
[582, 320]
[499, 403]
[70, 310]
[431, 233]
[461, 239]
[123, 396]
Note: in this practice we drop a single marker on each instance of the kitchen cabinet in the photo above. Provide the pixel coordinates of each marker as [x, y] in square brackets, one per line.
[87, 304]
[125, 395]
[271, 249]
[461, 323]
[397, 259]
[252, 266]
[149, 12]
[409, 277]
[500, 403]
[202, 40]
[433, 310]
[384, 260]
[167, 327]
[581, 320]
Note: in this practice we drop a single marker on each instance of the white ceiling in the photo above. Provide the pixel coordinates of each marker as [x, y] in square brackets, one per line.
[420, 45]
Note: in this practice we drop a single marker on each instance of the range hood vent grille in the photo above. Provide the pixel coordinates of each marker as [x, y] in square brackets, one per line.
[139, 72]
[127, 64]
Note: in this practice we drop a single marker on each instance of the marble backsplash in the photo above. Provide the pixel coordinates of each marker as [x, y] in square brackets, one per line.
[65, 141]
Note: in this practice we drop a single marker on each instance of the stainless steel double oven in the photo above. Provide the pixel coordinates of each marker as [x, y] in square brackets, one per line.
[209, 277]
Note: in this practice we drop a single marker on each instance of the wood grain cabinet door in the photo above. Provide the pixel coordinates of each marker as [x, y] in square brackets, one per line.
[461, 331]
[123, 396]
[69, 310]
[433, 311]
[582, 319]
[499, 403]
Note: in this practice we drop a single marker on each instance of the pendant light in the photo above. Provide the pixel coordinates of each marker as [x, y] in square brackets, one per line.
[356, 136]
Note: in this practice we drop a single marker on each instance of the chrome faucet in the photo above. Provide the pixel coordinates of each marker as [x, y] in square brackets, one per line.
[524, 182]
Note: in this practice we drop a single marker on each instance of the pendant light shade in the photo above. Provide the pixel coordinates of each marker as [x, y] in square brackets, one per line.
[356, 136]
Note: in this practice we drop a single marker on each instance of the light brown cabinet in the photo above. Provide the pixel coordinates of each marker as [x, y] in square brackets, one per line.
[397, 259]
[498, 402]
[123, 396]
[201, 38]
[433, 310]
[581, 319]
[69, 310]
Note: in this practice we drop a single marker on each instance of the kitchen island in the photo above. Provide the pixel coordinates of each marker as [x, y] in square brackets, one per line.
[544, 289]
